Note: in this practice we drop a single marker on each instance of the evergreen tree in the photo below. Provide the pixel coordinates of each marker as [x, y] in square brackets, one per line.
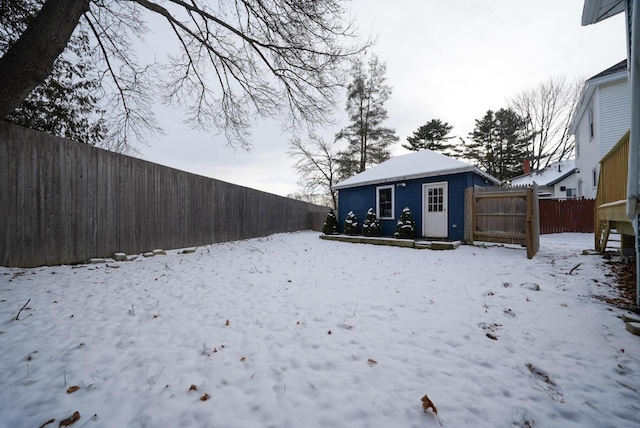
[351, 224]
[406, 226]
[499, 143]
[371, 225]
[330, 226]
[66, 103]
[368, 139]
[434, 135]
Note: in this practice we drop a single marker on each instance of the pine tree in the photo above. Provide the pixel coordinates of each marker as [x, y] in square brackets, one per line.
[406, 226]
[371, 225]
[434, 135]
[351, 224]
[368, 139]
[330, 226]
[499, 143]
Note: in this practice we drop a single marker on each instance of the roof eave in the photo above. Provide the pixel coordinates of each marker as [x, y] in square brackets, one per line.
[469, 168]
[562, 177]
[594, 11]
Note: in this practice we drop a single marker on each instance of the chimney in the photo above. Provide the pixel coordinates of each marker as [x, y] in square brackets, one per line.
[527, 166]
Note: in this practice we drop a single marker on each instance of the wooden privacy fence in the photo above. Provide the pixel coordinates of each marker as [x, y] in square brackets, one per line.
[566, 215]
[65, 202]
[505, 215]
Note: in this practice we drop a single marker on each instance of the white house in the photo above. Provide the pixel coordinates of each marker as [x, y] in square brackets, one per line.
[601, 118]
[558, 180]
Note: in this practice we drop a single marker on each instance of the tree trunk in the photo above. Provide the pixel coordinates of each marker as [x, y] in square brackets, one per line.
[29, 61]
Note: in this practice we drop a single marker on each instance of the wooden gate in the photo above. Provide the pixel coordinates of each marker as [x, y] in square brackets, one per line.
[508, 215]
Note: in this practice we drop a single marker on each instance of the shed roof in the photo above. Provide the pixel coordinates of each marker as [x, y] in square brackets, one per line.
[548, 176]
[420, 164]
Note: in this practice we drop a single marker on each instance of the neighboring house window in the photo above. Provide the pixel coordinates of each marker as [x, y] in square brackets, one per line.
[594, 177]
[571, 193]
[385, 202]
[590, 112]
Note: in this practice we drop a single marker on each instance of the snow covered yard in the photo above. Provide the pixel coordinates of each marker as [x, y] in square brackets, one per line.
[294, 331]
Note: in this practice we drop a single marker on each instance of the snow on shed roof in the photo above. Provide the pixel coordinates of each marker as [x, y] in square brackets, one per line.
[547, 176]
[420, 164]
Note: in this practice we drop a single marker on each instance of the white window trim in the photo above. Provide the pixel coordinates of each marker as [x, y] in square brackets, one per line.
[393, 202]
[592, 129]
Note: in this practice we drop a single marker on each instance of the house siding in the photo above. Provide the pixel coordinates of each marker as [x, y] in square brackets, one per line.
[614, 114]
[611, 119]
[568, 183]
[588, 156]
[360, 199]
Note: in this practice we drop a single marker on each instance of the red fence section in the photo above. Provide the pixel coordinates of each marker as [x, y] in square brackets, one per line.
[566, 215]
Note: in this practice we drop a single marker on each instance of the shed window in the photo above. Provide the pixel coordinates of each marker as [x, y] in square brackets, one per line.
[385, 202]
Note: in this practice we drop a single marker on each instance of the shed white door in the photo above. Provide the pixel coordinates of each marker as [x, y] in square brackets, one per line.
[435, 210]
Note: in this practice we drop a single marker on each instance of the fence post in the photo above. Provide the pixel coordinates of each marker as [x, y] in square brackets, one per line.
[532, 225]
[469, 216]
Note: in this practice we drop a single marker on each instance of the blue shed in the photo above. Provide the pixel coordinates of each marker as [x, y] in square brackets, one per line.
[431, 184]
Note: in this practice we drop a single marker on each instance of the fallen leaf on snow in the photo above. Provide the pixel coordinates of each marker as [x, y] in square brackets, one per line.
[227, 323]
[193, 388]
[50, 421]
[243, 358]
[72, 389]
[205, 397]
[372, 362]
[70, 420]
[428, 404]
[491, 336]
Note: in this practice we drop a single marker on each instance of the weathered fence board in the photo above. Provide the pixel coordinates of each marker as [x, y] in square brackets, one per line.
[64, 202]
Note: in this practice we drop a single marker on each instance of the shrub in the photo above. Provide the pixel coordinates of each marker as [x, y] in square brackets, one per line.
[330, 225]
[406, 227]
[371, 225]
[351, 224]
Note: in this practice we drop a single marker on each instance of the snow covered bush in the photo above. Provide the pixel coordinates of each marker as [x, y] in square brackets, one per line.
[406, 227]
[330, 225]
[371, 225]
[351, 224]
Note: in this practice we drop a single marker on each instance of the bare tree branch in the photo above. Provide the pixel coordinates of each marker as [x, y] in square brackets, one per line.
[547, 109]
[237, 60]
[316, 163]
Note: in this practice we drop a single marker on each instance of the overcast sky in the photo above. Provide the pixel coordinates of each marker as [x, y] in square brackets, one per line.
[450, 60]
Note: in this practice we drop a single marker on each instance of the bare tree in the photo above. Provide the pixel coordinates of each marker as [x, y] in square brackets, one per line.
[548, 108]
[237, 60]
[317, 166]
